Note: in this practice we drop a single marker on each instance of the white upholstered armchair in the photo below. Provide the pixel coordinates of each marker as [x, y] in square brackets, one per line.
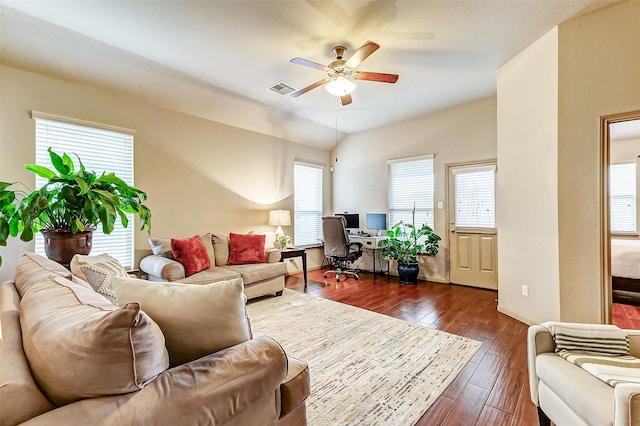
[569, 395]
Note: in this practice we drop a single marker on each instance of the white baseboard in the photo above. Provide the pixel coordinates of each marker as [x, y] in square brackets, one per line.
[520, 318]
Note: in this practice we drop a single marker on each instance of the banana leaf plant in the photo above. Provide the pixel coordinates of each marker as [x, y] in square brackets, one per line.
[71, 199]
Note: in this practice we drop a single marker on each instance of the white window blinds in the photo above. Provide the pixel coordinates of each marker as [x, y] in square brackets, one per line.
[622, 190]
[411, 183]
[475, 197]
[307, 197]
[101, 150]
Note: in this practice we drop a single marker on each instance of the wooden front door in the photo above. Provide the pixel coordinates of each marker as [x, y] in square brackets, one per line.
[473, 248]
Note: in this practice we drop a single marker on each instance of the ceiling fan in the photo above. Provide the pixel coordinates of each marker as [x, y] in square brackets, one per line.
[341, 73]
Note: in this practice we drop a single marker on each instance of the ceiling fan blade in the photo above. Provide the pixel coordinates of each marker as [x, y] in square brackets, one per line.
[346, 99]
[309, 87]
[363, 53]
[375, 76]
[310, 64]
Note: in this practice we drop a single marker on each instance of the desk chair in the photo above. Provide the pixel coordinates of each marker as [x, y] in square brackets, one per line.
[338, 248]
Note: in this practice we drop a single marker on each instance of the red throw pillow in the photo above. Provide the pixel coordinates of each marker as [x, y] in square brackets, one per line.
[192, 253]
[246, 248]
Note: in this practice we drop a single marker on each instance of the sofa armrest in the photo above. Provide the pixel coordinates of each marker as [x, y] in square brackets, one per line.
[273, 255]
[162, 267]
[627, 404]
[539, 340]
[210, 390]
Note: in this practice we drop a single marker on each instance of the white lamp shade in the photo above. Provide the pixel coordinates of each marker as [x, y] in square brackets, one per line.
[279, 218]
[340, 86]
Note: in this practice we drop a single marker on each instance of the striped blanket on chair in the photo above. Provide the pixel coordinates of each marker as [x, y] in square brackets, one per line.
[599, 349]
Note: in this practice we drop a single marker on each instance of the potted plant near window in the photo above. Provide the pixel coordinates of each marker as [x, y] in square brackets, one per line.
[405, 243]
[68, 207]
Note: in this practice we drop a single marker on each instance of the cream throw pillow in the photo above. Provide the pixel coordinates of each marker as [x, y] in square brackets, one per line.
[98, 271]
[162, 247]
[80, 260]
[78, 344]
[196, 319]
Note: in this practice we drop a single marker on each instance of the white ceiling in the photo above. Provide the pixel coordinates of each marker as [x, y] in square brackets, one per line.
[215, 59]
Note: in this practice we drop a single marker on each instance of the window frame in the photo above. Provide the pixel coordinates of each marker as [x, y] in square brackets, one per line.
[622, 233]
[395, 208]
[72, 138]
[317, 210]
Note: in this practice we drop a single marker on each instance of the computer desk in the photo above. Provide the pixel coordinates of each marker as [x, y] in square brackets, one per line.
[370, 244]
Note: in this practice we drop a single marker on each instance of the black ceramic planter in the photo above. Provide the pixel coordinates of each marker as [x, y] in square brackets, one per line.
[408, 273]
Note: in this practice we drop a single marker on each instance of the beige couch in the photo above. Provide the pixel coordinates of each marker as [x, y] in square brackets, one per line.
[569, 396]
[121, 376]
[259, 279]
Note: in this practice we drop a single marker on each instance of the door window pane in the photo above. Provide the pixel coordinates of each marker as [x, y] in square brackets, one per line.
[475, 198]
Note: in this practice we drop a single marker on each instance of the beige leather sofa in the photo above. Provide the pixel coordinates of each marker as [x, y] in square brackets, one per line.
[251, 383]
[569, 396]
[259, 279]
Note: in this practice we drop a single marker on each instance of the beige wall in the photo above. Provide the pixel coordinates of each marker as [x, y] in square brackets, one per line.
[199, 175]
[598, 58]
[598, 75]
[455, 135]
[527, 205]
[624, 151]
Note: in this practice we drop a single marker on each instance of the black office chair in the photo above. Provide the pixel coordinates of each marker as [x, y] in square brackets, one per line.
[338, 248]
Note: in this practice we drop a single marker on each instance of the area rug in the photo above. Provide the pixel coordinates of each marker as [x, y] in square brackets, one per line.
[366, 368]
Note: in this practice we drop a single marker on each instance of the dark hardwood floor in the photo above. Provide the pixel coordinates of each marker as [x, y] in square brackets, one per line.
[493, 388]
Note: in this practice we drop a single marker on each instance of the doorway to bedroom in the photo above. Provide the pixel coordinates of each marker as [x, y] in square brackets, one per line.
[623, 219]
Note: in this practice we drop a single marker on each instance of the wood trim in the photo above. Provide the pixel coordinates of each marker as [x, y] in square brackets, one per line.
[605, 233]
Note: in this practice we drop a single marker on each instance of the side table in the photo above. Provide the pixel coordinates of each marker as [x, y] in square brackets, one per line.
[296, 252]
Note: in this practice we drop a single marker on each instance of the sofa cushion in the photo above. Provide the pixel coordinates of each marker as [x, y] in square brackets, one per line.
[98, 272]
[295, 388]
[196, 319]
[32, 268]
[20, 397]
[246, 249]
[210, 275]
[587, 396]
[192, 253]
[220, 248]
[259, 271]
[80, 346]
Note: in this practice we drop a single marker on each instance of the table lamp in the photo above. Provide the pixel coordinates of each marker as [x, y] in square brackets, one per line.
[279, 218]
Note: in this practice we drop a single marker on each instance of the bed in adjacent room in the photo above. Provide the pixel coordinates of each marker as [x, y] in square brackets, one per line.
[625, 271]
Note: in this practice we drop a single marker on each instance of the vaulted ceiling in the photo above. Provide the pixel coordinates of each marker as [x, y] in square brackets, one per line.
[216, 59]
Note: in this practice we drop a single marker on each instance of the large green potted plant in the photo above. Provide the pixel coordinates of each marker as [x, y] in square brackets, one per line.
[405, 243]
[68, 207]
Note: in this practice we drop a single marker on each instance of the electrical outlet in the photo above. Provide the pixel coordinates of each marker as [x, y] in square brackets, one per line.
[525, 290]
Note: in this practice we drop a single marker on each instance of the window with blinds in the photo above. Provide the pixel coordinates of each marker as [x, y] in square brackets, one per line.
[101, 150]
[475, 197]
[411, 184]
[622, 196]
[307, 196]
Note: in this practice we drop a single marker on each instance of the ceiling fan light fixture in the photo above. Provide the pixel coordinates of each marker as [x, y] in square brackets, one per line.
[340, 86]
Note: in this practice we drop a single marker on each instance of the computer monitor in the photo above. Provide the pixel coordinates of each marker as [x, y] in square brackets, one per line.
[377, 221]
[353, 221]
